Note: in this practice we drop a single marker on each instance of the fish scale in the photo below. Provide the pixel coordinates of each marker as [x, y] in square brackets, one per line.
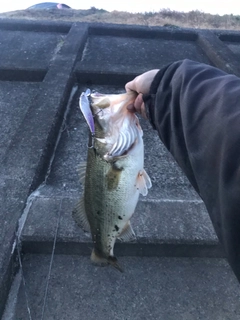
[105, 201]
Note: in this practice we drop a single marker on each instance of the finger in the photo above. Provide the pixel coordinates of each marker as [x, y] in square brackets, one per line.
[131, 108]
[143, 111]
[130, 86]
[140, 106]
[138, 102]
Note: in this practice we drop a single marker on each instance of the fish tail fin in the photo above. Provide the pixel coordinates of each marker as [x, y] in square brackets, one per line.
[97, 259]
[114, 262]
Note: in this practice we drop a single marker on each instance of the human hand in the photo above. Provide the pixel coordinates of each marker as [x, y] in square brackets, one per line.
[141, 84]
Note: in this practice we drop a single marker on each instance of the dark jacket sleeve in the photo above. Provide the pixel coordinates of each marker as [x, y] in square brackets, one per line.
[196, 110]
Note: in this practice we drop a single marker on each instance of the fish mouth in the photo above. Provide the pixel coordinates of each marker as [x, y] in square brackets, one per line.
[117, 129]
[110, 108]
[97, 94]
[114, 101]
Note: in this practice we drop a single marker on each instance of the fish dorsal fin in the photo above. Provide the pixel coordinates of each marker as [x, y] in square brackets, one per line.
[80, 217]
[143, 182]
[127, 233]
[82, 171]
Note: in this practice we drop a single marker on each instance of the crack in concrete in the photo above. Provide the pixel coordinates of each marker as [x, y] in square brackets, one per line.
[63, 127]
[11, 303]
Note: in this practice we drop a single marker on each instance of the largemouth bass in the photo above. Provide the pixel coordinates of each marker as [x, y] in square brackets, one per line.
[113, 176]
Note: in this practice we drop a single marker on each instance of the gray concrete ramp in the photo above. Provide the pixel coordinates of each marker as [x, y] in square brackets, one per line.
[150, 288]
[175, 268]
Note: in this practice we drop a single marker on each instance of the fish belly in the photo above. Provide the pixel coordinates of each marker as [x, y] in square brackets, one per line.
[110, 197]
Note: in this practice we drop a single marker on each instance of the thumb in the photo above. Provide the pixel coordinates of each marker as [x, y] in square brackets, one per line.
[130, 86]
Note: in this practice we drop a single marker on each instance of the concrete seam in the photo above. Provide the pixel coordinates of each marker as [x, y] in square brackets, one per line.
[74, 90]
[9, 312]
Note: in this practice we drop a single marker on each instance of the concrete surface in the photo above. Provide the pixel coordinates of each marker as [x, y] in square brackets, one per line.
[34, 124]
[42, 145]
[149, 288]
[36, 49]
[232, 40]
[162, 229]
[141, 54]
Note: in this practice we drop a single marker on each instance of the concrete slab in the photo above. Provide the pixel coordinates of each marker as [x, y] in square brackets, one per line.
[140, 54]
[36, 26]
[217, 51]
[235, 48]
[15, 99]
[23, 49]
[163, 228]
[150, 288]
[33, 115]
[232, 40]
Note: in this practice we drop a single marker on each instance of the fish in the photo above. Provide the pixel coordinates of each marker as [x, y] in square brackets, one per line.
[113, 176]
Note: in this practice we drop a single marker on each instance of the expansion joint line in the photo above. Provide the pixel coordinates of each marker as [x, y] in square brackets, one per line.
[51, 261]
[23, 278]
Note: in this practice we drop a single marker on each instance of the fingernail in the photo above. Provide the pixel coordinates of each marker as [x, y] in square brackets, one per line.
[130, 107]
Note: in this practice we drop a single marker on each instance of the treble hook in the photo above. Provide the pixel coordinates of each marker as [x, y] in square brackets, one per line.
[100, 110]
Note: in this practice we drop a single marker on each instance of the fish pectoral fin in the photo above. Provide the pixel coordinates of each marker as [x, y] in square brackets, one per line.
[113, 177]
[82, 171]
[80, 217]
[147, 179]
[143, 182]
[127, 233]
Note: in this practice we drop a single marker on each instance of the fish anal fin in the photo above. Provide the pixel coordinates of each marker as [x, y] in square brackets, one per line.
[82, 171]
[143, 182]
[114, 262]
[80, 217]
[127, 233]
